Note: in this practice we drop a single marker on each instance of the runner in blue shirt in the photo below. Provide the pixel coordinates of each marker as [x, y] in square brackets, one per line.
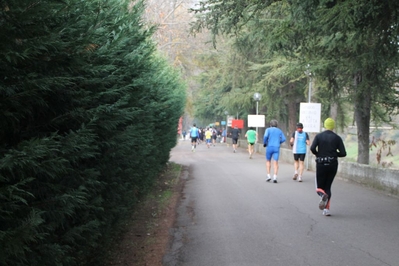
[194, 134]
[272, 139]
[299, 140]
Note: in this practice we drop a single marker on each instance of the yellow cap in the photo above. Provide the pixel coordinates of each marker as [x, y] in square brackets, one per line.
[329, 124]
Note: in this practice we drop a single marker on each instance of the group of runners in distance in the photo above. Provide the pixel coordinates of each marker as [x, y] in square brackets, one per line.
[211, 135]
[327, 146]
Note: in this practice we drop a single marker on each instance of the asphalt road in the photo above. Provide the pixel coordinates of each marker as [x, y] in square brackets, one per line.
[229, 216]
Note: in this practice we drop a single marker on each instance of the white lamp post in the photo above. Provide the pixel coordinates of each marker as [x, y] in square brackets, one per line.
[227, 123]
[309, 74]
[257, 98]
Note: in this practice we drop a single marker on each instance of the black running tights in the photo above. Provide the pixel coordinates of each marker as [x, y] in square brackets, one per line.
[325, 175]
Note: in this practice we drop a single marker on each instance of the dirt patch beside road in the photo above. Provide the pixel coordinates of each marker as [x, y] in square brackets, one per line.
[146, 237]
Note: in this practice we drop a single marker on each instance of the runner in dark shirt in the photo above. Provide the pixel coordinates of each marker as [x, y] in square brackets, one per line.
[235, 134]
[327, 146]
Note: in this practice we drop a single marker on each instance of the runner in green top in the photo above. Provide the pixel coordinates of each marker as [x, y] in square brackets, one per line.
[252, 137]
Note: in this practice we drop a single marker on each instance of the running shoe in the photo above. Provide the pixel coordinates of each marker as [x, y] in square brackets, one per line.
[323, 201]
[326, 212]
[275, 181]
[299, 179]
[294, 177]
[268, 179]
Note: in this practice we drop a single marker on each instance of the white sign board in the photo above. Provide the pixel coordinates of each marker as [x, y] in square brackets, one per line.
[309, 116]
[256, 121]
[230, 121]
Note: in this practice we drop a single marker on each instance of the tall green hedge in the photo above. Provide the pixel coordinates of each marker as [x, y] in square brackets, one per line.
[88, 116]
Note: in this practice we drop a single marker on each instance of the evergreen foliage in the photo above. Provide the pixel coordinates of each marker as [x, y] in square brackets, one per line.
[89, 115]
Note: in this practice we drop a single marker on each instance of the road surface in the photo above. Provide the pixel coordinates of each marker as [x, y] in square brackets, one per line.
[229, 216]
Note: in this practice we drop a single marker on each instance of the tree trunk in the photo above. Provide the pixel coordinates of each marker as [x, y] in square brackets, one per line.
[362, 118]
[291, 103]
[292, 115]
[334, 111]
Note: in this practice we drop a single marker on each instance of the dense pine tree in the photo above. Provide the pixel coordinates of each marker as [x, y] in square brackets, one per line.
[89, 114]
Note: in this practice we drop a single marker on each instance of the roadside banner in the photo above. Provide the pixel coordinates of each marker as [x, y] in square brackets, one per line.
[238, 122]
[256, 121]
[309, 116]
[230, 120]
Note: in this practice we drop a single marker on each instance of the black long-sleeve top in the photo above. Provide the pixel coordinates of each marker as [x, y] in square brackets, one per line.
[328, 144]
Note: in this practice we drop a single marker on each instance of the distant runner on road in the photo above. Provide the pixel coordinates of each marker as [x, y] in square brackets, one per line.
[194, 134]
[272, 140]
[235, 134]
[252, 137]
[299, 140]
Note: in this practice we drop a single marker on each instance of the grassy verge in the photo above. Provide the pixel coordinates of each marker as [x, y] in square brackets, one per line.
[387, 158]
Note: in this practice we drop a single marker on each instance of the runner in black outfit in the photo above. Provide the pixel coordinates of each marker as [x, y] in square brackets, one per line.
[235, 134]
[327, 146]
